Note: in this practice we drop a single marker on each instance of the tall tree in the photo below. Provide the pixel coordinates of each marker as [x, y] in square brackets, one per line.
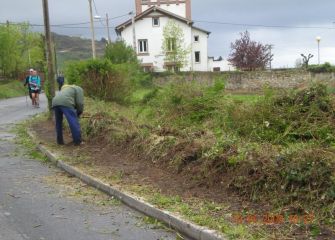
[249, 55]
[174, 46]
[9, 49]
[305, 59]
[19, 49]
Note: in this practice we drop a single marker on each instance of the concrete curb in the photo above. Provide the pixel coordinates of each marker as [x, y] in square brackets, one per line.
[187, 228]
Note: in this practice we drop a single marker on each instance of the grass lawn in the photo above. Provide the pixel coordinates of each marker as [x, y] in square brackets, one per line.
[11, 88]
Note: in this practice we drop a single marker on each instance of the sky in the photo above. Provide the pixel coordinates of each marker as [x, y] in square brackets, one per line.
[291, 26]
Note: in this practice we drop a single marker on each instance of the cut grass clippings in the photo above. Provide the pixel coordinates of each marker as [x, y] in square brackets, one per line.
[276, 150]
[23, 138]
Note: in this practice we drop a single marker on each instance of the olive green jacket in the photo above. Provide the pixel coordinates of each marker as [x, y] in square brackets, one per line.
[71, 96]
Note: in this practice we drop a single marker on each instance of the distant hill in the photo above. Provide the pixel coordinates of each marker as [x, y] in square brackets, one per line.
[75, 48]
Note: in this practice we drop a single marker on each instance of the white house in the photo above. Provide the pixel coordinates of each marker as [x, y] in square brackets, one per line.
[219, 65]
[145, 33]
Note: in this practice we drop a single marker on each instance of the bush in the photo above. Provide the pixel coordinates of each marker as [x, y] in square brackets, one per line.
[186, 103]
[118, 52]
[305, 175]
[324, 68]
[288, 117]
[74, 71]
[105, 81]
[101, 79]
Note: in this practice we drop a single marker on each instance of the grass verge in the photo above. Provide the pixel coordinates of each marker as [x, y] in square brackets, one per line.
[23, 139]
[12, 88]
[275, 150]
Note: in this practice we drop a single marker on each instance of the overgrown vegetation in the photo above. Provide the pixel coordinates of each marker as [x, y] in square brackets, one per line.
[22, 138]
[323, 68]
[12, 88]
[105, 80]
[118, 52]
[20, 49]
[276, 148]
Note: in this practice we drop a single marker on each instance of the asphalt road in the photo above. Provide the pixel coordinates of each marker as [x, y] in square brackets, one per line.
[32, 209]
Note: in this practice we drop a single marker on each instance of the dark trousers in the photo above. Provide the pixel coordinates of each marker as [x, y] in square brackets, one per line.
[72, 119]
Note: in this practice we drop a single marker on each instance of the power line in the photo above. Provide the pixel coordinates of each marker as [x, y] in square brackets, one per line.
[55, 26]
[65, 25]
[95, 7]
[71, 25]
[62, 26]
[96, 11]
[263, 26]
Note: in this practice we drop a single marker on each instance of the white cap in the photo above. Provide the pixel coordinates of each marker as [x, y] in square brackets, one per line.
[31, 70]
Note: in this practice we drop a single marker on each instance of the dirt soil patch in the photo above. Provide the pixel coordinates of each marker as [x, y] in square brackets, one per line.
[132, 168]
[127, 161]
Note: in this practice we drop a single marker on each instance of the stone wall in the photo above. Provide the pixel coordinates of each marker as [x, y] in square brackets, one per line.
[251, 81]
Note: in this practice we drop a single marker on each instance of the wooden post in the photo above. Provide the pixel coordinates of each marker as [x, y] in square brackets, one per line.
[50, 91]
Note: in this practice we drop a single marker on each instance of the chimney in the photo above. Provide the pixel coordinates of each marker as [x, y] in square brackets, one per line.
[138, 4]
[148, 3]
[188, 10]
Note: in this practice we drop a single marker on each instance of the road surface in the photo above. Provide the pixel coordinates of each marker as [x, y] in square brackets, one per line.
[32, 209]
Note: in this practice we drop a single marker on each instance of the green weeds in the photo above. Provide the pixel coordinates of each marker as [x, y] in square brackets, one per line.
[276, 148]
[12, 88]
[22, 138]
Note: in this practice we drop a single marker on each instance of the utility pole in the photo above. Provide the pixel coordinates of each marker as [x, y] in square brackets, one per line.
[55, 58]
[108, 33]
[29, 58]
[92, 30]
[51, 74]
[134, 31]
[318, 39]
[271, 47]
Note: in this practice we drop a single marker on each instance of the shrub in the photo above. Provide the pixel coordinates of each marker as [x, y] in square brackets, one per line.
[288, 117]
[324, 68]
[186, 103]
[101, 79]
[74, 71]
[105, 81]
[305, 175]
[118, 52]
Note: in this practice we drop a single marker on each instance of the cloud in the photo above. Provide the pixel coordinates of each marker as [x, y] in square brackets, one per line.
[288, 43]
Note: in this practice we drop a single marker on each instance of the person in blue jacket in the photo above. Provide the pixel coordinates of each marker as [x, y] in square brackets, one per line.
[34, 85]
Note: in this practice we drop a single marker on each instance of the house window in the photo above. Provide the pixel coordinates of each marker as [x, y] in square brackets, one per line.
[147, 69]
[143, 46]
[197, 57]
[171, 44]
[172, 68]
[196, 38]
[155, 22]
